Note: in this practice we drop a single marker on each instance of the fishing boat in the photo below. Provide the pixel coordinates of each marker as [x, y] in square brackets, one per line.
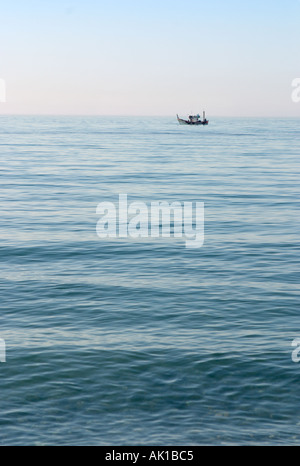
[193, 120]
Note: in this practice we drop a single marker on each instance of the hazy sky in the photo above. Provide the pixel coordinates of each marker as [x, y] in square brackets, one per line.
[158, 57]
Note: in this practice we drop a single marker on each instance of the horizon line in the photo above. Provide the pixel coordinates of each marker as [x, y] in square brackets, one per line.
[140, 115]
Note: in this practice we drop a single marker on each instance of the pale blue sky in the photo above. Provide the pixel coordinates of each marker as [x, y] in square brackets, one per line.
[158, 57]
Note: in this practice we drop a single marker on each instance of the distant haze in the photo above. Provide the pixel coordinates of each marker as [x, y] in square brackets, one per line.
[130, 57]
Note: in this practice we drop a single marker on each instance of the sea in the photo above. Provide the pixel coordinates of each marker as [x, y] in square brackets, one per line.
[118, 341]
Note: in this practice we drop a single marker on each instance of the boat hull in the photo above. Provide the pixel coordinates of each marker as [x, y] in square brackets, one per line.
[182, 122]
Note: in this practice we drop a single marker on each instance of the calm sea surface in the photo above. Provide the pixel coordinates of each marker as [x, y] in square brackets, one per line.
[147, 342]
